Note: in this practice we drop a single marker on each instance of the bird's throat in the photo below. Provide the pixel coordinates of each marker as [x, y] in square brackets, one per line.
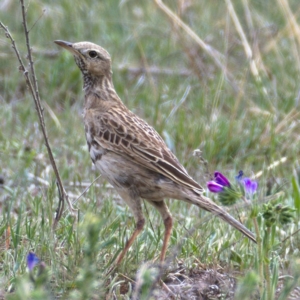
[102, 89]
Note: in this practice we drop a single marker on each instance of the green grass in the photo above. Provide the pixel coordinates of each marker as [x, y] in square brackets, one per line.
[248, 130]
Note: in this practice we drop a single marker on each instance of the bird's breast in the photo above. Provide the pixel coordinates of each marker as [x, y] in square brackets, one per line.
[96, 151]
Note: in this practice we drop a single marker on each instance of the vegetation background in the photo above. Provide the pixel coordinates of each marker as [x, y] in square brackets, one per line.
[245, 118]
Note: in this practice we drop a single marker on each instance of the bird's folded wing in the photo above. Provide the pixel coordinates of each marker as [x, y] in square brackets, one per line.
[132, 136]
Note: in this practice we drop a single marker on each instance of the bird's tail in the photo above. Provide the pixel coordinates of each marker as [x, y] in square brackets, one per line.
[208, 205]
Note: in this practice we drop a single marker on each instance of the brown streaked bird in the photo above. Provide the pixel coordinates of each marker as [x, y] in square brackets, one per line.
[129, 153]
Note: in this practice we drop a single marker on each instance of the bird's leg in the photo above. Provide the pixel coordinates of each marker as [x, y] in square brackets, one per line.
[139, 227]
[168, 222]
[134, 203]
[168, 230]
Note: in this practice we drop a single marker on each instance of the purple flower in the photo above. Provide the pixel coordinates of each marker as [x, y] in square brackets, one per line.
[221, 179]
[250, 186]
[32, 261]
[214, 187]
[219, 183]
[239, 176]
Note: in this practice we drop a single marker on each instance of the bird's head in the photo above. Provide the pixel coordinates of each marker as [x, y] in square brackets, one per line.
[91, 59]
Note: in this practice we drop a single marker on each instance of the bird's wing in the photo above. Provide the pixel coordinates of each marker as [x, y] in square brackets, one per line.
[126, 133]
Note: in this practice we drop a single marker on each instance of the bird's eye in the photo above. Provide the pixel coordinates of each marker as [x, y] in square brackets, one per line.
[92, 54]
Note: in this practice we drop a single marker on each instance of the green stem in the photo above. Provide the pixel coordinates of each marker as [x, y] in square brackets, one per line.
[260, 254]
[266, 265]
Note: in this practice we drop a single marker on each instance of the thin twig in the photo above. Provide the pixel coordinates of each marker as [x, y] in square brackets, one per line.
[86, 189]
[154, 70]
[288, 237]
[126, 277]
[31, 81]
[37, 20]
[36, 96]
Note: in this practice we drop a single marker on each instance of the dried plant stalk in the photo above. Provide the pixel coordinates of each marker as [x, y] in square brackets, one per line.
[32, 84]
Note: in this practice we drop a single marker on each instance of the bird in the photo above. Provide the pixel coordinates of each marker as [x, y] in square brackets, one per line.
[130, 154]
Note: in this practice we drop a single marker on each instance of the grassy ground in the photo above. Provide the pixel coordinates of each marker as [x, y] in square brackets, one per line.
[247, 119]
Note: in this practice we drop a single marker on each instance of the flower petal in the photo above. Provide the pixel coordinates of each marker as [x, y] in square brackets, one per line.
[239, 176]
[221, 179]
[247, 183]
[214, 187]
[254, 185]
[250, 186]
[32, 260]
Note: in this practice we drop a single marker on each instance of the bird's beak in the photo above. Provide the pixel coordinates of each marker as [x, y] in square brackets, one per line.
[66, 45]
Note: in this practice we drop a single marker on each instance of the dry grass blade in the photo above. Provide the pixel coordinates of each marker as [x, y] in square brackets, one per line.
[246, 45]
[255, 47]
[293, 28]
[270, 167]
[287, 120]
[216, 56]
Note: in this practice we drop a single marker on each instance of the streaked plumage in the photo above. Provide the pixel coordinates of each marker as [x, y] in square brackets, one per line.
[130, 154]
